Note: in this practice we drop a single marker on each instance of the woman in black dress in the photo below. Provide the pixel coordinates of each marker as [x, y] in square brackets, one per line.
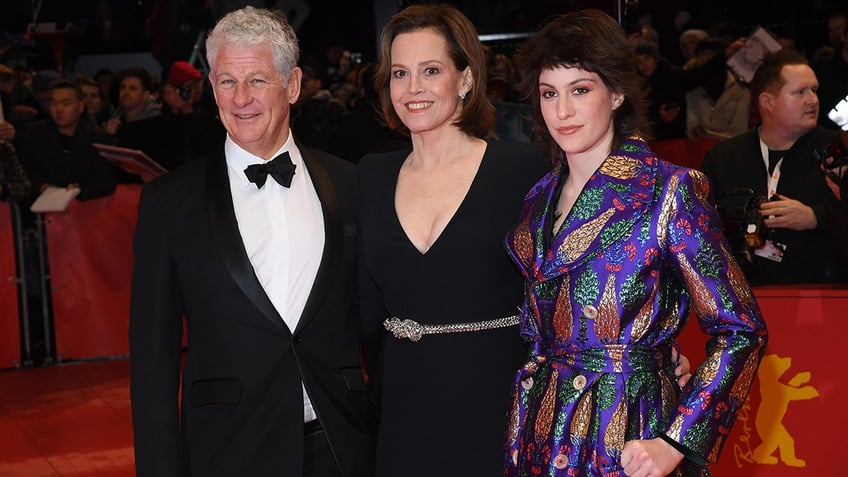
[435, 277]
[433, 219]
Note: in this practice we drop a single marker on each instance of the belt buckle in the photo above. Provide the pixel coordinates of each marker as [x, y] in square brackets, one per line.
[404, 328]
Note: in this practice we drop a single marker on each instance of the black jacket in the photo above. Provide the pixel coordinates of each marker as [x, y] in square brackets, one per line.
[241, 410]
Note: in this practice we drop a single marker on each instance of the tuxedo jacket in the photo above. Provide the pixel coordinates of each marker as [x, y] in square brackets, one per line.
[238, 410]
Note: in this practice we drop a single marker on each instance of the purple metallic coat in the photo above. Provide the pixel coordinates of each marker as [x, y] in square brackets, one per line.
[606, 297]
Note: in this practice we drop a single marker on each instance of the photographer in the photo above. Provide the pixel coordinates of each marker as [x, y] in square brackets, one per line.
[778, 162]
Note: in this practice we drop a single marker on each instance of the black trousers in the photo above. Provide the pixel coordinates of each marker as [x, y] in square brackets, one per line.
[318, 460]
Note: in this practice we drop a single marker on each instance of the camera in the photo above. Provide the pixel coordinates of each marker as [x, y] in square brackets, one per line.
[744, 227]
[835, 154]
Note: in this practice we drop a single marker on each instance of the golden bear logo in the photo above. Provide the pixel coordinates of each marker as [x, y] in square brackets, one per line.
[776, 397]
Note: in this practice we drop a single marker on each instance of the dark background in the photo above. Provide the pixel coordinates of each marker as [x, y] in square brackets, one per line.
[169, 28]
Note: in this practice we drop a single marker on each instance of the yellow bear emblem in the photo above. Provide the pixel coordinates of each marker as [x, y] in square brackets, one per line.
[776, 397]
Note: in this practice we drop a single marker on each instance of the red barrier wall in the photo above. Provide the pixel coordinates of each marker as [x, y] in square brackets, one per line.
[794, 422]
[683, 152]
[89, 250]
[10, 343]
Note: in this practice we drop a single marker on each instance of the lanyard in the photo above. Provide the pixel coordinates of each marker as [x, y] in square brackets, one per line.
[774, 178]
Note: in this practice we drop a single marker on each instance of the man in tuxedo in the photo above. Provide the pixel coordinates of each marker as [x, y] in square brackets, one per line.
[260, 262]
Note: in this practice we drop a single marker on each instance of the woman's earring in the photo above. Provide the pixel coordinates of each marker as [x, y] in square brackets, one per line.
[462, 95]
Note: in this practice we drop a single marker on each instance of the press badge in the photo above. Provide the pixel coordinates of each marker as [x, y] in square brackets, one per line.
[771, 251]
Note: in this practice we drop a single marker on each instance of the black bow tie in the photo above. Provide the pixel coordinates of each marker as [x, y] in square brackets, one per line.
[280, 168]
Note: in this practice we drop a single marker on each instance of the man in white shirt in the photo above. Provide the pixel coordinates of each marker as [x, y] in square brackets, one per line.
[255, 248]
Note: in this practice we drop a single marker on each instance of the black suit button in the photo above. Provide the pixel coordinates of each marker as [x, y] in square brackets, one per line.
[297, 339]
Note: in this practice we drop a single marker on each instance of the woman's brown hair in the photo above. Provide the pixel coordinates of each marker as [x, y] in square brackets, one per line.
[464, 48]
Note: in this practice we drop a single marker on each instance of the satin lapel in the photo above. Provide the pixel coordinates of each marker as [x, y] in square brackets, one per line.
[333, 235]
[611, 203]
[222, 222]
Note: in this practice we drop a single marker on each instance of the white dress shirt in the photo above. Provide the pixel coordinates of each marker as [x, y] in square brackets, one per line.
[282, 229]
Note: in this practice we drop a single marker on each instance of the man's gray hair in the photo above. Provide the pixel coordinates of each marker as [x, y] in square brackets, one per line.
[256, 26]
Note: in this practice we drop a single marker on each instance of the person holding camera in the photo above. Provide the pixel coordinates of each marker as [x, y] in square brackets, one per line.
[778, 162]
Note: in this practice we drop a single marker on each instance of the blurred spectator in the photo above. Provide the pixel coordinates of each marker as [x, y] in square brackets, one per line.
[8, 131]
[720, 107]
[106, 79]
[837, 22]
[42, 83]
[98, 107]
[665, 86]
[137, 121]
[665, 96]
[643, 32]
[310, 84]
[361, 130]
[189, 132]
[502, 66]
[182, 88]
[689, 40]
[513, 121]
[135, 99]
[22, 94]
[787, 42]
[336, 64]
[316, 114]
[345, 93]
[778, 163]
[498, 90]
[832, 73]
[58, 151]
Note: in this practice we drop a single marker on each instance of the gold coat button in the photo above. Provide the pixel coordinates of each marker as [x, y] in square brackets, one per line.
[527, 383]
[561, 461]
[579, 382]
[590, 311]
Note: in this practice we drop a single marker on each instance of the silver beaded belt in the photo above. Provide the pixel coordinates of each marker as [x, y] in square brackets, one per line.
[414, 330]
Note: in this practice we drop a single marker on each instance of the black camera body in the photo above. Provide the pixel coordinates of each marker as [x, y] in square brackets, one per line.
[835, 154]
[744, 226]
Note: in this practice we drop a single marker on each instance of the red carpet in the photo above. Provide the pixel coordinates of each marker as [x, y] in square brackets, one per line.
[67, 420]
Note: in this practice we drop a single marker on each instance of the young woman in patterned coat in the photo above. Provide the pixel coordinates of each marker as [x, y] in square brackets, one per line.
[616, 246]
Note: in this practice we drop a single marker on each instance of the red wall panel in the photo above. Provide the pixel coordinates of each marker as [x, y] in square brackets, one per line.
[794, 421]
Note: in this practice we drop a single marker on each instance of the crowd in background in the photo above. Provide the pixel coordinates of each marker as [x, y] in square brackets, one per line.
[691, 91]
[51, 120]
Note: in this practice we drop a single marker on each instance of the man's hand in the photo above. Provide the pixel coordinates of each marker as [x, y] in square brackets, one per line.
[786, 213]
[112, 126]
[682, 371]
[649, 458]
